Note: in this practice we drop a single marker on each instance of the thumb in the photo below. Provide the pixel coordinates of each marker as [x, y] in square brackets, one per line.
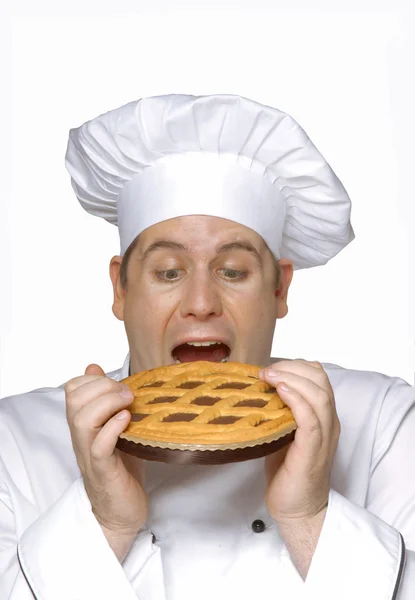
[94, 369]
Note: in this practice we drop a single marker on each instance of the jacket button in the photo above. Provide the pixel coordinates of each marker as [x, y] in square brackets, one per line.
[258, 526]
[153, 539]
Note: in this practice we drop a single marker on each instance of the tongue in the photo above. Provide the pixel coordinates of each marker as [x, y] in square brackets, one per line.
[188, 353]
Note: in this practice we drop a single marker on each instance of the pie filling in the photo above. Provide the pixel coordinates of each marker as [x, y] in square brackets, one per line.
[186, 417]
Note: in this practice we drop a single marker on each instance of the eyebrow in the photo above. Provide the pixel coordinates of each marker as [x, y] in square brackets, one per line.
[170, 245]
[241, 245]
[162, 245]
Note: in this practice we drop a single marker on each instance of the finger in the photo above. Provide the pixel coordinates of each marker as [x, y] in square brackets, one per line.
[310, 370]
[309, 440]
[305, 371]
[76, 382]
[327, 417]
[94, 369]
[320, 398]
[315, 397]
[92, 387]
[102, 448]
[91, 372]
[96, 413]
[306, 418]
[92, 417]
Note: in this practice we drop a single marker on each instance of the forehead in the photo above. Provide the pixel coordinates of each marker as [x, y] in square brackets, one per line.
[199, 233]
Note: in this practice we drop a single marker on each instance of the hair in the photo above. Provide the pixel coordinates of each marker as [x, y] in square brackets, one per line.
[125, 261]
[131, 247]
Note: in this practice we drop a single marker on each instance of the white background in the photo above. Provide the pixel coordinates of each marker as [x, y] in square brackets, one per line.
[342, 69]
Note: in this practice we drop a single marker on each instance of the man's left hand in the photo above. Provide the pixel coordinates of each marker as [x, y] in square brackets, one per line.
[298, 475]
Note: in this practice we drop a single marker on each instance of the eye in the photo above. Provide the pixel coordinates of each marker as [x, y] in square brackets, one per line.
[233, 274]
[169, 274]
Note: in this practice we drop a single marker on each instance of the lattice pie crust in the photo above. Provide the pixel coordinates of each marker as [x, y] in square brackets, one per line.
[205, 405]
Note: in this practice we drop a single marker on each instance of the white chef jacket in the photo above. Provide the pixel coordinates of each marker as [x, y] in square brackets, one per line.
[198, 542]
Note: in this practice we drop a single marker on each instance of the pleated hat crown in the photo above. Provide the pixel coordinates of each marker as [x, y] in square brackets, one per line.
[225, 156]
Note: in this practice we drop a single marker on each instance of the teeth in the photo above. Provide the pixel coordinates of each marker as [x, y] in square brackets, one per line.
[210, 343]
[225, 359]
[177, 361]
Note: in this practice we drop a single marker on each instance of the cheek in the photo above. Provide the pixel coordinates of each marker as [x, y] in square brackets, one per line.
[147, 309]
[253, 311]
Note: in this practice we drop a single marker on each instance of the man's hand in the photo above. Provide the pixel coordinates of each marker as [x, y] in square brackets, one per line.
[298, 475]
[94, 409]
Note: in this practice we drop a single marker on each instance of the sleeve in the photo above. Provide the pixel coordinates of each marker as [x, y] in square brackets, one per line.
[64, 554]
[370, 552]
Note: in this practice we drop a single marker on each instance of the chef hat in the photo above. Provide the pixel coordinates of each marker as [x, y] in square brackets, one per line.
[225, 156]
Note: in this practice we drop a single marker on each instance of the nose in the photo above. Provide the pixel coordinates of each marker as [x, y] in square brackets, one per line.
[201, 298]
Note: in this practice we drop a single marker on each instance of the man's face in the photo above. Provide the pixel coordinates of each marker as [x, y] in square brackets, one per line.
[199, 280]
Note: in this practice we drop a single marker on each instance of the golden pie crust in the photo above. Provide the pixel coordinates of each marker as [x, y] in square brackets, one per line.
[204, 405]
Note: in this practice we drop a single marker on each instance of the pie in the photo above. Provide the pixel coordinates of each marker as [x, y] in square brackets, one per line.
[205, 406]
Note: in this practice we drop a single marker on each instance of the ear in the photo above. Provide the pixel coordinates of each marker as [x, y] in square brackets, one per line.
[119, 292]
[281, 295]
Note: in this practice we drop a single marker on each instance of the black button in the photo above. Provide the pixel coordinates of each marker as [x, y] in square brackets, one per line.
[258, 526]
[153, 539]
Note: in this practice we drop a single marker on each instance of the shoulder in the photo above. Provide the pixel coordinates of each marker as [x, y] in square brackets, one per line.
[369, 396]
[31, 407]
[371, 405]
[339, 376]
[356, 379]
[39, 408]
[368, 386]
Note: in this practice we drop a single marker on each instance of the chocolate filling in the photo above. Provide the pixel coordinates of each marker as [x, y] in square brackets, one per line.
[163, 399]
[224, 420]
[255, 402]
[138, 416]
[177, 417]
[155, 384]
[190, 385]
[205, 401]
[233, 386]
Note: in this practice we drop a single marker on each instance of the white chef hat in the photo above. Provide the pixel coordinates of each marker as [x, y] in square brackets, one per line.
[225, 156]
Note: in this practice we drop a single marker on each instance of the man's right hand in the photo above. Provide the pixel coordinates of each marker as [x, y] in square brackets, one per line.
[95, 409]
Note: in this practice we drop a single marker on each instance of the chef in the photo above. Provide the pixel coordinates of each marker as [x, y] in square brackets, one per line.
[217, 199]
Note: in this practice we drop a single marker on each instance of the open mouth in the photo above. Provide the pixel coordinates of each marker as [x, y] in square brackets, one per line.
[207, 350]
